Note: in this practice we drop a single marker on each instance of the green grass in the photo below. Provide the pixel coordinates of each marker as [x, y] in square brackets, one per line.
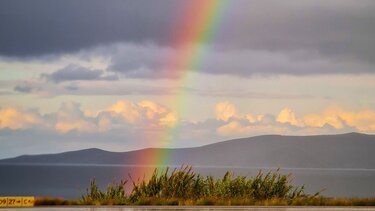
[185, 187]
[183, 183]
[113, 195]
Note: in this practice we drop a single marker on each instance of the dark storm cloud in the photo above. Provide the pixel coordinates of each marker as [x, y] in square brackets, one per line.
[32, 28]
[74, 72]
[330, 28]
[292, 36]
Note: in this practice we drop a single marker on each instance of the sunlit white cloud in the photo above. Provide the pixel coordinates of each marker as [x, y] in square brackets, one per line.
[363, 121]
[142, 124]
[331, 120]
[288, 116]
[225, 110]
[70, 117]
[14, 118]
[149, 115]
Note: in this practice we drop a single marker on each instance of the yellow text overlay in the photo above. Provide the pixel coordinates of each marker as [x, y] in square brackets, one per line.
[17, 201]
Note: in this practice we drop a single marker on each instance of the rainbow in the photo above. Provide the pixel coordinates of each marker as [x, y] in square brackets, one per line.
[196, 29]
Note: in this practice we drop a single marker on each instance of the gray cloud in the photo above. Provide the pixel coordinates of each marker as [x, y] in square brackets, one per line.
[338, 29]
[141, 61]
[241, 93]
[117, 89]
[49, 27]
[43, 89]
[71, 87]
[151, 61]
[75, 72]
[252, 37]
[23, 88]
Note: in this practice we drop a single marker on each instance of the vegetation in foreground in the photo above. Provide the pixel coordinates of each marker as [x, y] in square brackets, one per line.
[184, 187]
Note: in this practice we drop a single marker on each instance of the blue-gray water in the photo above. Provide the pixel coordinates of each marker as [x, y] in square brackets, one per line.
[71, 181]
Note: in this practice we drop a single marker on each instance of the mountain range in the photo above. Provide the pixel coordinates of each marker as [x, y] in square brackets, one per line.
[352, 150]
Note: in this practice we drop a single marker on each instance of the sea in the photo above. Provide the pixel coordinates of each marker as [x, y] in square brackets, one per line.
[72, 181]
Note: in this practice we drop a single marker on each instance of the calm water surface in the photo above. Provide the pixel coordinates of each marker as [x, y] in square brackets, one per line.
[71, 181]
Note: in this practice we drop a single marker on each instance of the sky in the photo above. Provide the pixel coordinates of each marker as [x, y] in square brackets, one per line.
[122, 75]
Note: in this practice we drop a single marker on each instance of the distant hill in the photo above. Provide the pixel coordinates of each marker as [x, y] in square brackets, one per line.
[352, 150]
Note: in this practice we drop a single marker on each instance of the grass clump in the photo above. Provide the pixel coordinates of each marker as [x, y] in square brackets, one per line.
[185, 187]
[113, 195]
[184, 184]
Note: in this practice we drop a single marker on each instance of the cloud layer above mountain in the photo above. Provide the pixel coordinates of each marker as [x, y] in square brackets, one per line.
[252, 37]
[151, 116]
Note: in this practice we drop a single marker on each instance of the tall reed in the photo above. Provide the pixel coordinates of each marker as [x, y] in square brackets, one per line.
[185, 184]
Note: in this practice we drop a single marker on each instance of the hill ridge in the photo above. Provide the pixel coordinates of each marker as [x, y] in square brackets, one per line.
[351, 150]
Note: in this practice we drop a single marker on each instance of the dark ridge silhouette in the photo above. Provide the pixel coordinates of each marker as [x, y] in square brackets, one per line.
[352, 150]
